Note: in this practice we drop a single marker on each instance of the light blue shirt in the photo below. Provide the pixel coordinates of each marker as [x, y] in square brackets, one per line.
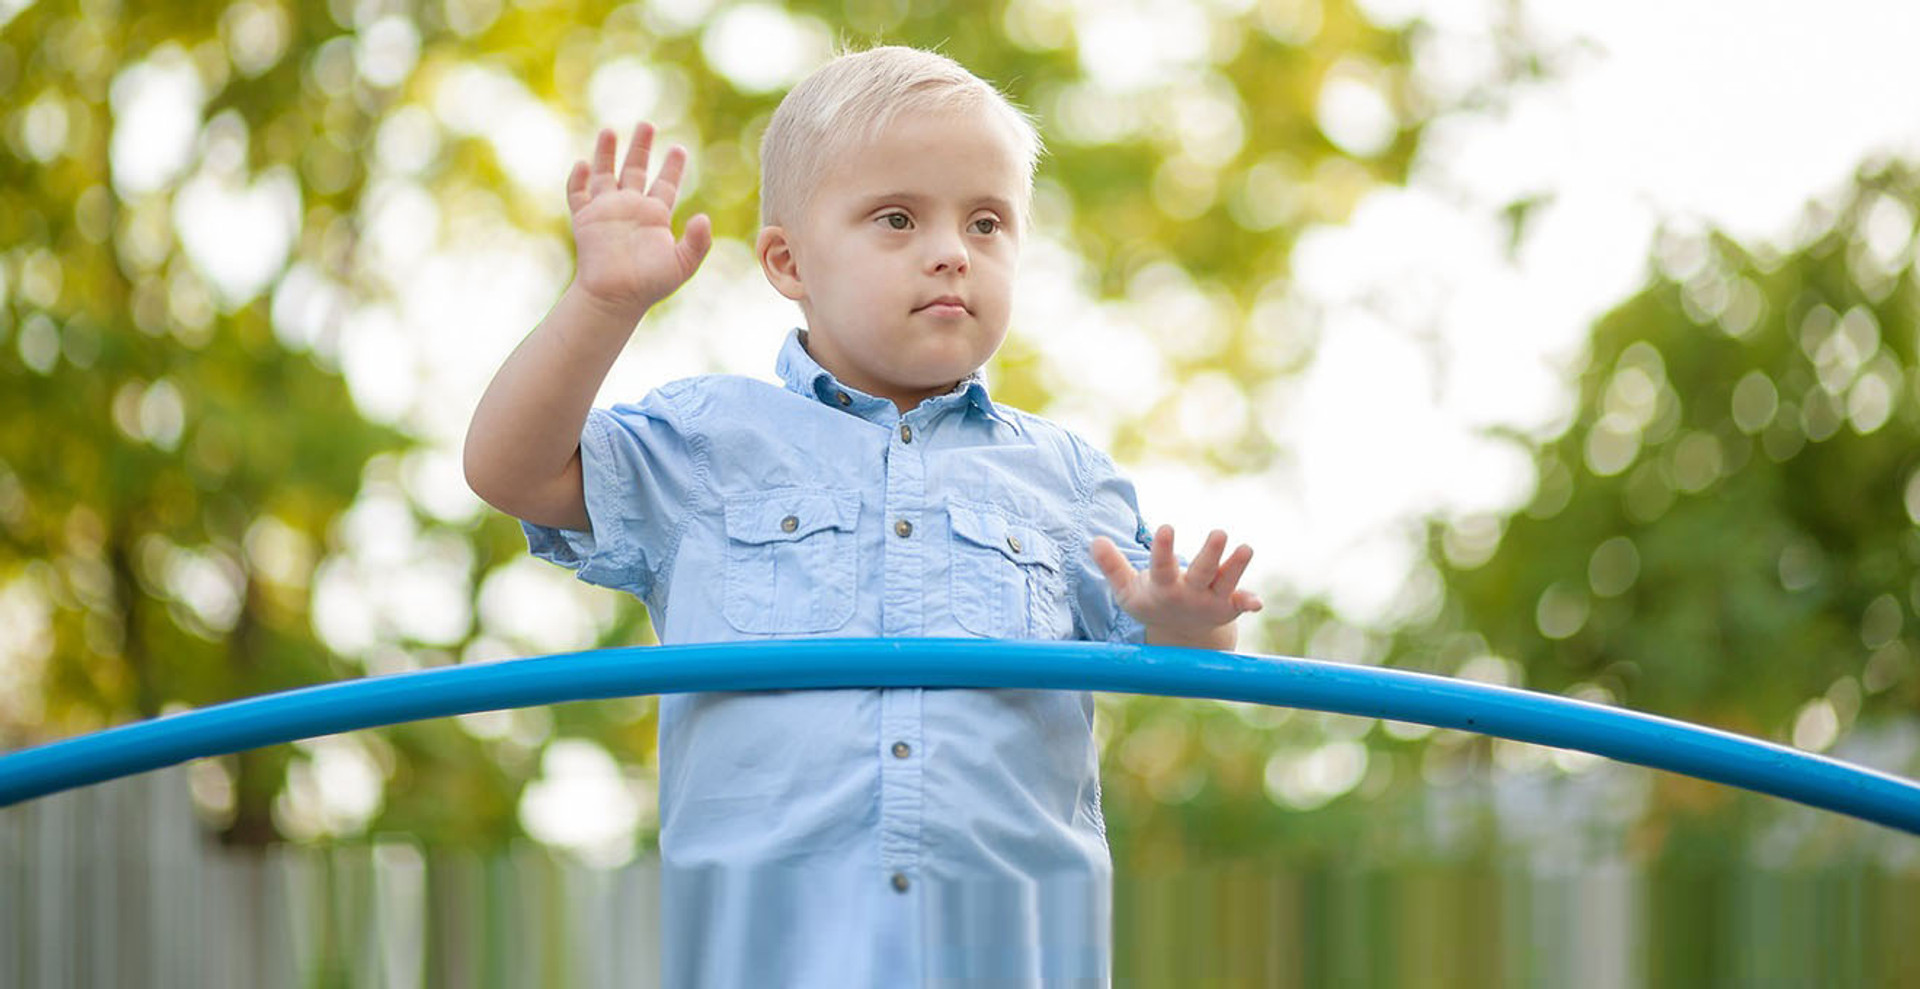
[885, 837]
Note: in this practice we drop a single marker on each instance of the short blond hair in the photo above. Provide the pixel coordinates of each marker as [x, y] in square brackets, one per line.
[850, 99]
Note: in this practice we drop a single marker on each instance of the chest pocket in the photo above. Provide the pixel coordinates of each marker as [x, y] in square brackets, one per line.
[1006, 577]
[791, 561]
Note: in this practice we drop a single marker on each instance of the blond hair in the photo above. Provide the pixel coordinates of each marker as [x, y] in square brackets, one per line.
[853, 97]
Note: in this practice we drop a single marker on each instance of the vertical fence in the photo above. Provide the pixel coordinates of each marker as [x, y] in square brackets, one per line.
[117, 885]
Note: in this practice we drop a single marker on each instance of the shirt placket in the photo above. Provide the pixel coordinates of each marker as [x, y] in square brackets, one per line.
[902, 613]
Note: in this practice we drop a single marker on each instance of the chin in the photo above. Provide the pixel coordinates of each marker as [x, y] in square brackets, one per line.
[939, 380]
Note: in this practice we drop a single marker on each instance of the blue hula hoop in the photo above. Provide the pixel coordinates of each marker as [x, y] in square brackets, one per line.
[1399, 695]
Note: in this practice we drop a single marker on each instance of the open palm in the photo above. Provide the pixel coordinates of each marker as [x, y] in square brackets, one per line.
[623, 227]
[1176, 607]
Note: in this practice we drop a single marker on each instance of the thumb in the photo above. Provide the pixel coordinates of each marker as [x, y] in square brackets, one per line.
[694, 243]
[1113, 564]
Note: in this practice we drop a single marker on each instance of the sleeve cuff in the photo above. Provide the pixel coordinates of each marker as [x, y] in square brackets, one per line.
[597, 556]
[562, 546]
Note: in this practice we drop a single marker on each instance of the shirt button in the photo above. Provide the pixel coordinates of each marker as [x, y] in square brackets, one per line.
[903, 528]
[1013, 543]
[900, 882]
[789, 523]
[843, 398]
[901, 750]
[906, 433]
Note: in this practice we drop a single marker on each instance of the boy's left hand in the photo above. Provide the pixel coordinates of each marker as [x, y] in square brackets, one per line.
[1196, 608]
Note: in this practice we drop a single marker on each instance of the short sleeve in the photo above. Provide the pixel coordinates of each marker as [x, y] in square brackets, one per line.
[1108, 508]
[638, 471]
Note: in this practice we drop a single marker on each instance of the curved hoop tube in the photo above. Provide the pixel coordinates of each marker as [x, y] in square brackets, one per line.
[1399, 695]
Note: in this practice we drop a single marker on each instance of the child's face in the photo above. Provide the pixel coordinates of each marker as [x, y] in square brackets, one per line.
[904, 259]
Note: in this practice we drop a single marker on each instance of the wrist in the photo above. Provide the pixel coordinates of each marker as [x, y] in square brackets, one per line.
[1221, 638]
[624, 315]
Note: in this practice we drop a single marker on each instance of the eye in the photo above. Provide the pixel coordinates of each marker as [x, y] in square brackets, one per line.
[897, 221]
[986, 225]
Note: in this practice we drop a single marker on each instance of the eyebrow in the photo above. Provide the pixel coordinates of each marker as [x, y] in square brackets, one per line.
[913, 198]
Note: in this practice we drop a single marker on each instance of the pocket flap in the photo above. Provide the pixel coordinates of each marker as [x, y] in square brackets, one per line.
[987, 528]
[784, 516]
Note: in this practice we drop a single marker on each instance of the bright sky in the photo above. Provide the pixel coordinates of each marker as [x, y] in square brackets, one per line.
[1732, 115]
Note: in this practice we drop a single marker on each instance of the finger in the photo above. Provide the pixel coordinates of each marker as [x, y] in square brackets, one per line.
[1164, 569]
[1229, 576]
[694, 243]
[1206, 563]
[666, 186]
[577, 197]
[601, 179]
[633, 174]
[1113, 564]
[1245, 601]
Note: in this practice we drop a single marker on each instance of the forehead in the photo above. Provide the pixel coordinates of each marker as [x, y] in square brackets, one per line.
[957, 152]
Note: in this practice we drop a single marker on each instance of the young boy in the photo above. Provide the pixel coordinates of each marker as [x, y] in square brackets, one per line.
[851, 838]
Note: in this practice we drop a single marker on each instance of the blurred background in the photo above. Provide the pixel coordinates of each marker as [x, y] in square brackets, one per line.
[1569, 348]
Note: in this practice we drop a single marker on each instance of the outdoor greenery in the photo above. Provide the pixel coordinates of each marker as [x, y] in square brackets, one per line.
[1725, 532]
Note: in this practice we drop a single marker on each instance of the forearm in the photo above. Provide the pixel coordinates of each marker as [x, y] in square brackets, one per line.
[525, 432]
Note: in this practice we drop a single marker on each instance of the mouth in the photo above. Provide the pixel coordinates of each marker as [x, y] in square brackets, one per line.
[946, 305]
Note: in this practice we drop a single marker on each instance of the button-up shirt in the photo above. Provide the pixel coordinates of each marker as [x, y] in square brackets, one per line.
[883, 837]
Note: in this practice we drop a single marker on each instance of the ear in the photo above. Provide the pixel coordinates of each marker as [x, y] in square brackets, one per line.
[778, 263]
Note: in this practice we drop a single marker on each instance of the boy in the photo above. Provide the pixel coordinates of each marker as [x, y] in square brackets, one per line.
[851, 837]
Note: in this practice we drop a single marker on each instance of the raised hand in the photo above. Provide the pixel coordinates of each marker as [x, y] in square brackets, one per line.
[1196, 608]
[628, 259]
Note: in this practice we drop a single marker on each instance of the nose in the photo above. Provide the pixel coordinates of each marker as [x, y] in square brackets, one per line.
[946, 252]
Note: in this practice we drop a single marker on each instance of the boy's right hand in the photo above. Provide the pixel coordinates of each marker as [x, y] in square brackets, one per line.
[622, 228]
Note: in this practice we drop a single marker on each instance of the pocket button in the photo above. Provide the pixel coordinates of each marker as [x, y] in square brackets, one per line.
[789, 523]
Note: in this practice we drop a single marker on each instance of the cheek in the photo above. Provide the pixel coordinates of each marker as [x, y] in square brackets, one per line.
[837, 283]
[998, 261]
[995, 282]
[862, 271]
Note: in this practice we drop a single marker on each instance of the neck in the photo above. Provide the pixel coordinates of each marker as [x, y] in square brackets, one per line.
[905, 400]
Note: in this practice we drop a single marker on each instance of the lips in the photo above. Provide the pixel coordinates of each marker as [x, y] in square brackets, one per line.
[944, 304]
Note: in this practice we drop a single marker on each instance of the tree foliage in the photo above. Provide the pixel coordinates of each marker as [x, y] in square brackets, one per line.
[1724, 532]
[1727, 531]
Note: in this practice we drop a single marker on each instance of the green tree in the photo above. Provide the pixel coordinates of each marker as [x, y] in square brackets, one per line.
[1727, 531]
[170, 468]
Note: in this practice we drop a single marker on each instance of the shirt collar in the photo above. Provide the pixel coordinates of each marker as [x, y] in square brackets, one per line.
[803, 375]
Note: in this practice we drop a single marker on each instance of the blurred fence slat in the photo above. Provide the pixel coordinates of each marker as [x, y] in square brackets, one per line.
[120, 885]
